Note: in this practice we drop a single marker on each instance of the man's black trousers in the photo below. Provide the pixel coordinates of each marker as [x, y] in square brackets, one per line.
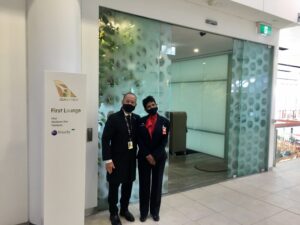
[113, 196]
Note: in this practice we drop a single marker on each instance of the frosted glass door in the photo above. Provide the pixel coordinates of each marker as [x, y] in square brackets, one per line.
[250, 100]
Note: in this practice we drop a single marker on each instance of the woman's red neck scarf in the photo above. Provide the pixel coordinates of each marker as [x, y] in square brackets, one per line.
[150, 124]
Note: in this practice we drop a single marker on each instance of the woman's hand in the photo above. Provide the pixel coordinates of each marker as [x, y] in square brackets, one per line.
[151, 160]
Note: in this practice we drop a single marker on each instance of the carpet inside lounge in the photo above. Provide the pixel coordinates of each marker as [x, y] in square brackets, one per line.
[212, 166]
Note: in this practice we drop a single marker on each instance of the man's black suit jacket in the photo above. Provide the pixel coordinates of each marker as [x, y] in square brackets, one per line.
[115, 139]
[155, 145]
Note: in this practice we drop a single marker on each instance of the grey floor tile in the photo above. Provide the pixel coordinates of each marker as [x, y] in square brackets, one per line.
[270, 198]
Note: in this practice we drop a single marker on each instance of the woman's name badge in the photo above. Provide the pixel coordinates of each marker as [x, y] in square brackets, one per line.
[130, 145]
[164, 130]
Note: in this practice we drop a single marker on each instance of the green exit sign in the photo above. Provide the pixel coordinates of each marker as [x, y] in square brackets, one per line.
[264, 29]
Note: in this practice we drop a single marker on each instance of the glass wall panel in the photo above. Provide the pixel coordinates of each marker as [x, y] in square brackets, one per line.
[250, 100]
[199, 88]
[130, 59]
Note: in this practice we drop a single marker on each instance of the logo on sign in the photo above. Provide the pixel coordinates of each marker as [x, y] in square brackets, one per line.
[63, 90]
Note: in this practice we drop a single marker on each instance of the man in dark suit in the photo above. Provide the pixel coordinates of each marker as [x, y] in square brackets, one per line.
[119, 147]
[153, 137]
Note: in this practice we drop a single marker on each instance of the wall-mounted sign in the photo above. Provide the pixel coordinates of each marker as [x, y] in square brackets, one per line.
[64, 148]
[264, 29]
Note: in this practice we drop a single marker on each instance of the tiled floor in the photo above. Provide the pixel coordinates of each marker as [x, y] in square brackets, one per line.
[271, 198]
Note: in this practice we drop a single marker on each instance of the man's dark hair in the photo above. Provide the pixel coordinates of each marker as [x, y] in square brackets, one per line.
[147, 100]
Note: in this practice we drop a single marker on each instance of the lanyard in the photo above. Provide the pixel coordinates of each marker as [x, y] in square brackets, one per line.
[129, 125]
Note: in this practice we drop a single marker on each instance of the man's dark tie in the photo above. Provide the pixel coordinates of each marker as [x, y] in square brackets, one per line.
[128, 118]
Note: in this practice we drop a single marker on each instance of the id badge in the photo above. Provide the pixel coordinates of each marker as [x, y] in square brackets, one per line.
[164, 130]
[130, 145]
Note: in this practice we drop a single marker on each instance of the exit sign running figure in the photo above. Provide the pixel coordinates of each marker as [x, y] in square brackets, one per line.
[264, 29]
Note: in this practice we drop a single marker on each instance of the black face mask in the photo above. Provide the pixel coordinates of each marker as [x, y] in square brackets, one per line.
[128, 108]
[152, 111]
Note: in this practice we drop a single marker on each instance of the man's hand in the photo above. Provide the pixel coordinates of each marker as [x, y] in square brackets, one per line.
[151, 160]
[109, 167]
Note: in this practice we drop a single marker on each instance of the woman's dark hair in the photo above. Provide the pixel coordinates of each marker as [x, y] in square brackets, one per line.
[147, 100]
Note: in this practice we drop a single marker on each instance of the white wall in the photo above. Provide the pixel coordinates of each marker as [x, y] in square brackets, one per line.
[53, 44]
[283, 8]
[13, 113]
[286, 9]
[289, 38]
[257, 4]
[90, 66]
[193, 15]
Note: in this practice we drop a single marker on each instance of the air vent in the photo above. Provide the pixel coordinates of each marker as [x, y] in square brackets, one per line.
[282, 48]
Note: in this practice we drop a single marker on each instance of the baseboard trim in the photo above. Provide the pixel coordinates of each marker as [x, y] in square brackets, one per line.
[91, 211]
[27, 223]
[88, 212]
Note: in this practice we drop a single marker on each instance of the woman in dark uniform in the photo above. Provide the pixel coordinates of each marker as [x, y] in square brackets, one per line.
[152, 139]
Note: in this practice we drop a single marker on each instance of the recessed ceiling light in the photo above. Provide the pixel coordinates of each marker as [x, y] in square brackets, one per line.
[196, 50]
[168, 50]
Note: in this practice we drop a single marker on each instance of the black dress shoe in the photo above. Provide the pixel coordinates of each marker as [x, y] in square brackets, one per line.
[115, 220]
[143, 218]
[128, 216]
[155, 217]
